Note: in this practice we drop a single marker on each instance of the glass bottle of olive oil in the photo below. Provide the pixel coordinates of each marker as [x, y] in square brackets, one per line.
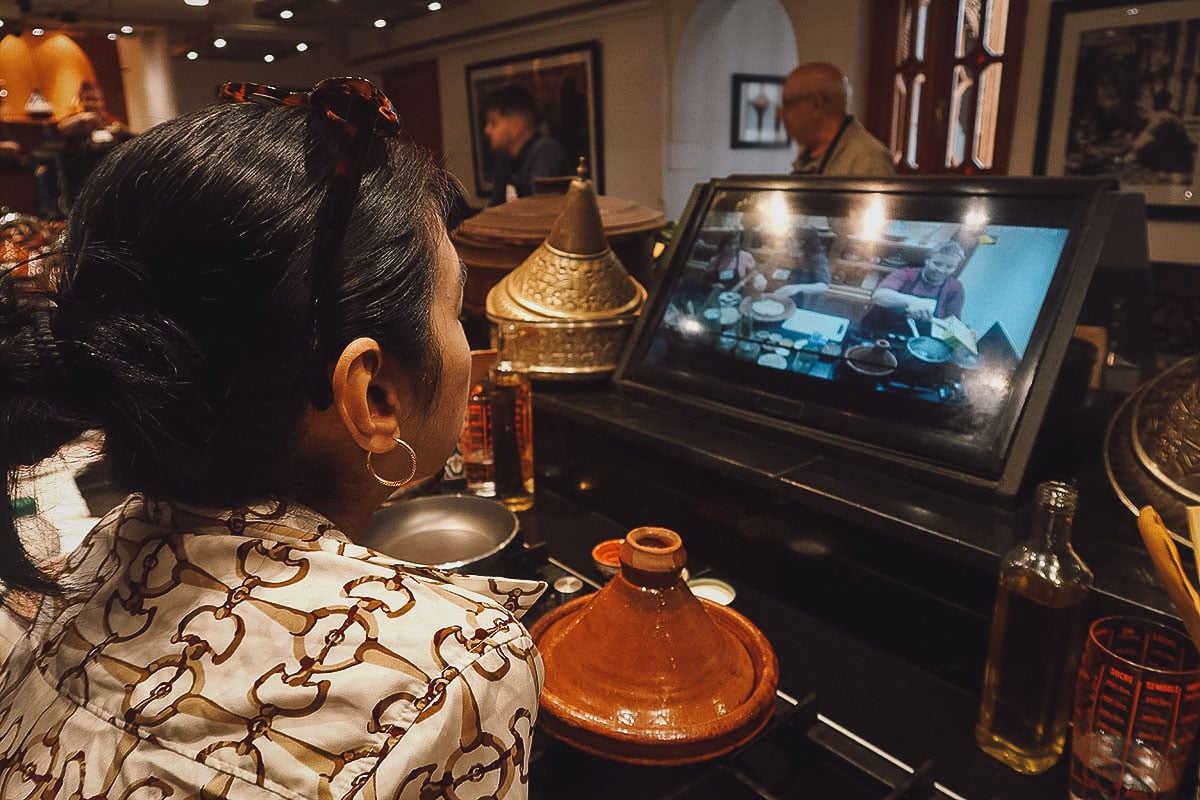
[1036, 638]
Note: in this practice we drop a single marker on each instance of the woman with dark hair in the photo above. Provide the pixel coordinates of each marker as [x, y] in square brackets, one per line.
[798, 268]
[259, 308]
[731, 263]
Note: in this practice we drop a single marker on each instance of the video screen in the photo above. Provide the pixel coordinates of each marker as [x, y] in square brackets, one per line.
[883, 312]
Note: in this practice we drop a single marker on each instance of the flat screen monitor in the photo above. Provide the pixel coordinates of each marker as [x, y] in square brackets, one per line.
[919, 321]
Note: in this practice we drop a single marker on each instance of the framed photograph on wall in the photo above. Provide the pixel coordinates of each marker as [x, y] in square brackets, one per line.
[1121, 97]
[565, 84]
[755, 112]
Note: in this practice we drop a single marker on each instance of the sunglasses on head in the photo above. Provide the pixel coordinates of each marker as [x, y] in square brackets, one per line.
[362, 111]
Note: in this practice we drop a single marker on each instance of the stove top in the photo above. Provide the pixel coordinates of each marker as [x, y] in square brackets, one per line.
[800, 754]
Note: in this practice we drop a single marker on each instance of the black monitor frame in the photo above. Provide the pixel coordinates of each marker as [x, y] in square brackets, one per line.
[1084, 207]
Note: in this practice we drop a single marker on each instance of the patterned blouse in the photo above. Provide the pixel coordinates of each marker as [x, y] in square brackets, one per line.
[259, 653]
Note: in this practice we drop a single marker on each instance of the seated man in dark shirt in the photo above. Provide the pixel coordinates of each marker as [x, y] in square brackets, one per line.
[919, 293]
[522, 154]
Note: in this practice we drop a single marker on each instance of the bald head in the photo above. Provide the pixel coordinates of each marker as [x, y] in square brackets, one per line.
[823, 80]
[815, 98]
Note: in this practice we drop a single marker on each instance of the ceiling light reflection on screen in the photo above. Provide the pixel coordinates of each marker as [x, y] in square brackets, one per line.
[873, 219]
[774, 209]
[975, 219]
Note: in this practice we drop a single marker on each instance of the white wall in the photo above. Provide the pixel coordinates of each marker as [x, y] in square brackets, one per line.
[633, 84]
[1169, 240]
[720, 39]
[642, 42]
[837, 31]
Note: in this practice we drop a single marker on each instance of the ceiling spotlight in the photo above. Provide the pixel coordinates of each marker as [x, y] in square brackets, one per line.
[192, 55]
[381, 23]
[301, 47]
[38, 31]
[1, 23]
[268, 58]
[112, 37]
[126, 29]
[219, 43]
[286, 14]
[434, 6]
[195, 2]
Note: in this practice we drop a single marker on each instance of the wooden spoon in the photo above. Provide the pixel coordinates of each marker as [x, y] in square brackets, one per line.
[1166, 560]
[1193, 521]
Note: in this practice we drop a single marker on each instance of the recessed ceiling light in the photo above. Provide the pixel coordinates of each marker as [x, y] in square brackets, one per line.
[381, 23]
[268, 58]
[112, 37]
[192, 55]
[38, 31]
[1, 23]
[219, 42]
[434, 6]
[301, 47]
[195, 2]
[286, 14]
[126, 29]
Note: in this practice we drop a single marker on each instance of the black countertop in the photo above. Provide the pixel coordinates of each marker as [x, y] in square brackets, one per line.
[647, 445]
[875, 592]
[914, 715]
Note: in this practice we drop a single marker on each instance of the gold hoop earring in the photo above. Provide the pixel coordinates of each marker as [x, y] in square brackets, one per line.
[412, 473]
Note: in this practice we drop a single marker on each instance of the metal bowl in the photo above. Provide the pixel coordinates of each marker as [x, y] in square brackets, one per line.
[447, 531]
[1152, 445]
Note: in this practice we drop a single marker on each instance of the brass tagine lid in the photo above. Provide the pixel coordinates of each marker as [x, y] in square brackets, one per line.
[573, 274]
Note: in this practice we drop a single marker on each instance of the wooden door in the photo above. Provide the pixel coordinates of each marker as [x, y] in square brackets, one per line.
[413, 89]
[944, 82]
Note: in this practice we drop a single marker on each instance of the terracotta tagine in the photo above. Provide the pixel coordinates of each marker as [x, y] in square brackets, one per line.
[643, 671]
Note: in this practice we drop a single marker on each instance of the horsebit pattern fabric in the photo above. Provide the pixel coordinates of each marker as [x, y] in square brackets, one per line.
[259, 653]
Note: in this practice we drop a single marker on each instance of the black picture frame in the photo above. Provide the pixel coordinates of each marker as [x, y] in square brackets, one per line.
[1119, 98]
[566, 86]
[755, 118]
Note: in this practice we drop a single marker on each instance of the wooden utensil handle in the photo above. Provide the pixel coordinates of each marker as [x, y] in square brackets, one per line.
[1170, 569]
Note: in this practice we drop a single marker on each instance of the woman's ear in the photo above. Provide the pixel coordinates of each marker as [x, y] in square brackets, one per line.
[366, 396]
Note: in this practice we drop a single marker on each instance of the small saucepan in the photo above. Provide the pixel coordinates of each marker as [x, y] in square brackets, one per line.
[873, 359]
[926, 348]
[453, 532]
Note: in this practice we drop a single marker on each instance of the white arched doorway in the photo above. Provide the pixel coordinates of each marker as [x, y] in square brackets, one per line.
[722, 38]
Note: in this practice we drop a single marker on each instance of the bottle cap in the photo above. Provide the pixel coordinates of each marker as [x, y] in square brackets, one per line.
[1057, 496]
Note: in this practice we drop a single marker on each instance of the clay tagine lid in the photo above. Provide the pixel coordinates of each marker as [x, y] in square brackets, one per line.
[645, 672]
[573, 274]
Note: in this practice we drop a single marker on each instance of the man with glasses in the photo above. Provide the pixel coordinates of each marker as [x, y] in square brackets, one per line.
[832, 142]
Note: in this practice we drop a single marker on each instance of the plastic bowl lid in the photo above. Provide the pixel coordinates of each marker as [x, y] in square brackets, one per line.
[712, 589]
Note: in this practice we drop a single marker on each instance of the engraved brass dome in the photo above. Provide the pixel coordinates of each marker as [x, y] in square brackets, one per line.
[572, 294]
